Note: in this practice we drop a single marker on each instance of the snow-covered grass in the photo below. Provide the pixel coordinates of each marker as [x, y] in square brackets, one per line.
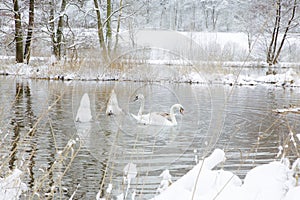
[194, 57]
[276, 180]
[12, 185]
[174, 71]
[273, 181]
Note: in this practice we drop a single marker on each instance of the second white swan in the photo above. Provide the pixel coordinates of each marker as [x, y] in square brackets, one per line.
[112, 107]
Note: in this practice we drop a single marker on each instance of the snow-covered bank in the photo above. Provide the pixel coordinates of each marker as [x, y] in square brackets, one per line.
[160, 71]
[288, 78]
[272, 181]
[291, 109]
[173, 56]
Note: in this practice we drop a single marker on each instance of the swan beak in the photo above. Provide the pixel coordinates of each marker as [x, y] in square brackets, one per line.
[136, 98]
[181, 110]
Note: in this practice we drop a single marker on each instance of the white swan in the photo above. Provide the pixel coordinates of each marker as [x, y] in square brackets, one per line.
[84, 113]
[112, 107]
[141, 98]
[156, 118]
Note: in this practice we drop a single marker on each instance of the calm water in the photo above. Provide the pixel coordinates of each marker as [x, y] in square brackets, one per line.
[37, 122]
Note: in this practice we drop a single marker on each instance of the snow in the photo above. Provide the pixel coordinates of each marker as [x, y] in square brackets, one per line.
[165, 182]
[11, 187]
[272, 181]
[293, 194]
[286, 78]
[130, 171]
[170, 51]
[287, 110]
[269, 181]
[225, 41]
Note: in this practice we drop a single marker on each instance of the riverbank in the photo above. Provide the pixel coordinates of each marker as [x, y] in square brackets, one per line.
[171, 56]
[228, 73]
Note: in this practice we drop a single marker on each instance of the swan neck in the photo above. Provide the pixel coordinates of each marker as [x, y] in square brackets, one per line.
[173, 118]
[141, 110]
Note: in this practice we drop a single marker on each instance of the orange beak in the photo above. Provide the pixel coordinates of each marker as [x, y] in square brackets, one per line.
[181, 110]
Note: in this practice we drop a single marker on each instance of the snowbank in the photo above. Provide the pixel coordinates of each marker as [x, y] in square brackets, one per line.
[272, 181]
[11, 187]
[287, 78]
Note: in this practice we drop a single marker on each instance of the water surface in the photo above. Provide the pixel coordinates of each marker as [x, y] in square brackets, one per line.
[38, 123]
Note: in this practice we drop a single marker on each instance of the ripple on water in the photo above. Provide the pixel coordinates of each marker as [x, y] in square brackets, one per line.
[211, 120]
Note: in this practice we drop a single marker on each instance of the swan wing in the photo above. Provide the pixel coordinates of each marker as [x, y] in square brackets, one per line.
[142, 119]
[153, 118]
[158, 119]
[165, 115]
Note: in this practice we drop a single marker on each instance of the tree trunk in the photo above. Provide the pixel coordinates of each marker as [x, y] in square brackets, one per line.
[60, 27]
[214, 18]
[52, 28]
[176, 17]
[277, 28]
[206, 14]
[161, 23]
[108, 25]
[30, 32]
[193, 24]
[275, 32]
[118, 27]
[18, 33]
[147, 11]
[100, 30]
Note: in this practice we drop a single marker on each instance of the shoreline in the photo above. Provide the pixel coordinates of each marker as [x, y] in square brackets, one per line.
[229, 73]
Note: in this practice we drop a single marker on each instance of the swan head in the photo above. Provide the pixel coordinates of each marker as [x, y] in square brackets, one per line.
[179, 107]
[139, 97]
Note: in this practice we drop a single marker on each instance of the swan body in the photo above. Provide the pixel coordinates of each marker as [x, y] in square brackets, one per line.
[84, 111]
[112, 105]
[156, 118]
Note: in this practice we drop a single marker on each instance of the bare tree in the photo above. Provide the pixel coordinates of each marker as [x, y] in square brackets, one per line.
[211, 11]
[274, 50]
[106, 45]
